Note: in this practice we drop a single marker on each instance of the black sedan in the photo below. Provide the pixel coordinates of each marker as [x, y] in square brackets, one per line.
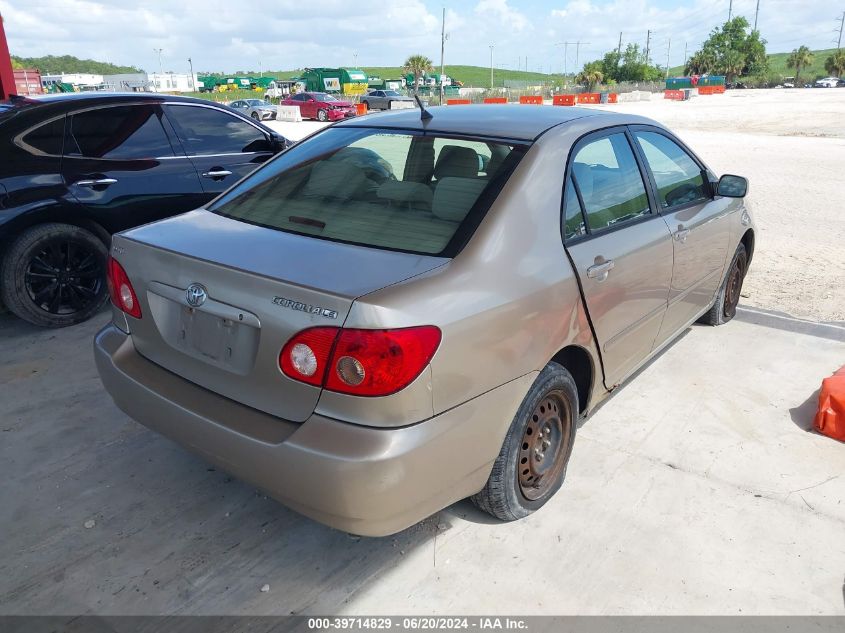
[76, 168]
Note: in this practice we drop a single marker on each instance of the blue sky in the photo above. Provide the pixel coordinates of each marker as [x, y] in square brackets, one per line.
[227, 35]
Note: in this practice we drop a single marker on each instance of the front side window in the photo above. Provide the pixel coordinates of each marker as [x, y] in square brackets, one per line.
[207, 131]
[375, 188]
[610, 182]
[678, 177]
[130, 132]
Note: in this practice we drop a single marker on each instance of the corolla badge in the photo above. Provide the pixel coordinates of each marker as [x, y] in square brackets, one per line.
[304, 307]
[196, 294]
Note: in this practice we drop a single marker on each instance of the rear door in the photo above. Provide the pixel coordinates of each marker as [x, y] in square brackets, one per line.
[620, 248]
[222, 146]
[120, 163]
[699, 228]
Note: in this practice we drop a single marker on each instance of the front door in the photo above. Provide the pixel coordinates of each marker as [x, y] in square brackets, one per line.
[222, 146]
[120, 163]
[695, 219]
[621, 250]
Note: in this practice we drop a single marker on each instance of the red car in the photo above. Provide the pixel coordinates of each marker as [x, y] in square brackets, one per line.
[320, 106]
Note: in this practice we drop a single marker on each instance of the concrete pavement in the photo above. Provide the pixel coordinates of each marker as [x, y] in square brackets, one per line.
[697, 489]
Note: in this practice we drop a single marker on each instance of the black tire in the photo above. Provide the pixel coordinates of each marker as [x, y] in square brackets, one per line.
[255, 116]
[724, 308]
[508, 494]
[322, 115]
[366, 103]
[54, 275]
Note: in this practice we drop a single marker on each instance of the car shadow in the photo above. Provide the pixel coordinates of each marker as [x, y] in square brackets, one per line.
[103, 516]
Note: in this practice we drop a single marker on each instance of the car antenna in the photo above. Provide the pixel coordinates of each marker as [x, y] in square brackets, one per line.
[425, 115]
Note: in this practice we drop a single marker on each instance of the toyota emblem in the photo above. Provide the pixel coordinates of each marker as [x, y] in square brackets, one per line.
[196, 294]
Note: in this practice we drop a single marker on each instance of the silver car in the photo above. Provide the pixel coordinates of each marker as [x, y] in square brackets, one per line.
[255, 108]
[401, 312]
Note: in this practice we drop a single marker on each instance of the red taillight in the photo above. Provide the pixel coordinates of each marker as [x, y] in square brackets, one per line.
[122, 293]
[359, 362]
[306, 356]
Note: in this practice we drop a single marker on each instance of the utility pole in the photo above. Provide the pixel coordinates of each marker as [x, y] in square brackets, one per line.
[159, 51]
[668, 48]
[191, 64]
[647, 45]
[491, 66]
[685, 56]
[619, 48]
[756, 13]
[442, 52]
[730, 9]
[841, 28]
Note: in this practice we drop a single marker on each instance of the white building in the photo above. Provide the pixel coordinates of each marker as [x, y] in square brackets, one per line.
[172, 82]
[77, 79]
[127, 82]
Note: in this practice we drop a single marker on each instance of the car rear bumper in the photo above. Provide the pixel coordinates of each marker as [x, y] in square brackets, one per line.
[359, 479]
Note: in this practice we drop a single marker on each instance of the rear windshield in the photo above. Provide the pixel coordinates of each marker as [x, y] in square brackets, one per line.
[397, 190]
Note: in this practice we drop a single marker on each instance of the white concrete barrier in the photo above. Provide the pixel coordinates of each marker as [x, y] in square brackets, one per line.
[288, 113]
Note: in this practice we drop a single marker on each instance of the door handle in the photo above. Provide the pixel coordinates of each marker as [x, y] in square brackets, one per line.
[681, 235]
[98, 182]
[599, 272]
[217, 173]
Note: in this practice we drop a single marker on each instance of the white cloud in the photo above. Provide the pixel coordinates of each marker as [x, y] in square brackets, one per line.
[230, 35]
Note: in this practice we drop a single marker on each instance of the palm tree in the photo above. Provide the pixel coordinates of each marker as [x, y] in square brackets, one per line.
[418, 66]
[800, 57]
[835, 64]
[589, 77]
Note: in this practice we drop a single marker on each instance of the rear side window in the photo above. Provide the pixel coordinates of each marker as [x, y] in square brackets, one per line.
[401, 191]
[120, 133]
[573, 219]
[610, 182]
[678, 177]
[47, 138]
[209, 131]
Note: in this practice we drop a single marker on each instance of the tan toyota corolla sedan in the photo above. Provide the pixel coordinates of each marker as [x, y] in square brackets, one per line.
[400, 312]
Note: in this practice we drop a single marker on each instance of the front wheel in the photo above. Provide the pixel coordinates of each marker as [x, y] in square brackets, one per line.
[322, 115]
[54, 275]
[531, 465]
[724, 308]
[255, 116]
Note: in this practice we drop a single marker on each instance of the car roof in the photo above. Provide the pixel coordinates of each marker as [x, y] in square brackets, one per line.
[109, 96]
[514, 121]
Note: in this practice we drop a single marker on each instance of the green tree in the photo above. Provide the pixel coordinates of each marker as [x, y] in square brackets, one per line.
[734, 50]
[590, 76]
[53, 65]
[418, 66]
[631, 65]
[799, 58]
[835, 64]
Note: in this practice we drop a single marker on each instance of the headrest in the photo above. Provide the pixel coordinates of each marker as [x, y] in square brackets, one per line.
[334, 179]
[454, 197]
[414, 193]
[457, 161]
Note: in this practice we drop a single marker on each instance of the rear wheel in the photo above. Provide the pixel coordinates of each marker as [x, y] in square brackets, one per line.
[54, 275]
[531, 465]
[724, 308]
[322, 115]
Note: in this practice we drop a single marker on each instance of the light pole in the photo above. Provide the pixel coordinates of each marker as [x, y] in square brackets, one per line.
[491, 66]
[160, 71]
[355, 59]
[442, 52]
[193, 85]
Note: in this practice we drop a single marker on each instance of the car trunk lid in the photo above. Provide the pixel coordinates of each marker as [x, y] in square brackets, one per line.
[256, 287]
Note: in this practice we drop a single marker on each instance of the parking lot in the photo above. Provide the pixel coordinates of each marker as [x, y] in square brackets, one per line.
[697, 489]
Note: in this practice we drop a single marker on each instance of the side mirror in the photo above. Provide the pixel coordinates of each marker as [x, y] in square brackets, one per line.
[731, 186]
[280, 143]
